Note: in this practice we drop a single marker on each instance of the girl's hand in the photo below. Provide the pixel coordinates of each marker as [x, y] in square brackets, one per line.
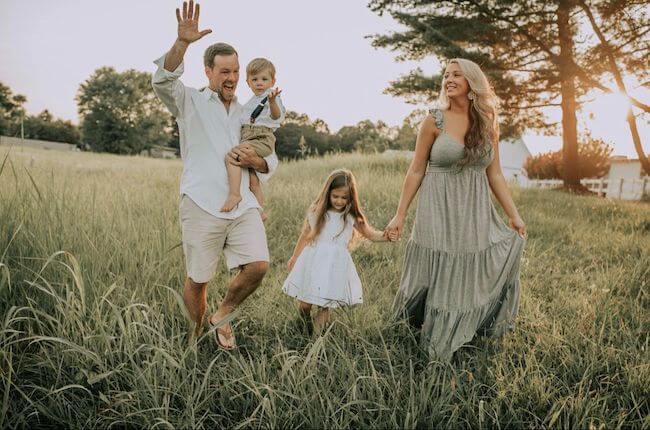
[273, 94]
[518, 225]
[291, 263]
[394, 228]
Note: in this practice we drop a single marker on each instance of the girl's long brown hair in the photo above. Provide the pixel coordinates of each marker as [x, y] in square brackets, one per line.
[337, 179]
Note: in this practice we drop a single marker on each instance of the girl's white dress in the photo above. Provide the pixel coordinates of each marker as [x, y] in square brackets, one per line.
[324, 273]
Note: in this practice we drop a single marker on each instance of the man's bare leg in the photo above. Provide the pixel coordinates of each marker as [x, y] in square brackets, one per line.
[234, 183]
[242, 286]
[256, 189]
[195, 299]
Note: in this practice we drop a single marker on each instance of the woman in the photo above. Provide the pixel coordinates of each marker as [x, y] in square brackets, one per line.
[461, 269]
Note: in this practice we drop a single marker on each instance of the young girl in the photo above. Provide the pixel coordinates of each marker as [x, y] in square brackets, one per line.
[321, 269]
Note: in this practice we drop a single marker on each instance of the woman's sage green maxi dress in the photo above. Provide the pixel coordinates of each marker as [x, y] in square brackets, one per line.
[461, 269]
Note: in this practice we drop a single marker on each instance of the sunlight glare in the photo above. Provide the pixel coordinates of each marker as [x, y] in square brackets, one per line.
[611, 106]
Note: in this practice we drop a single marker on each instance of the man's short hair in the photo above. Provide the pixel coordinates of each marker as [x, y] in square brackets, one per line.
[222, 49]
[259, 65]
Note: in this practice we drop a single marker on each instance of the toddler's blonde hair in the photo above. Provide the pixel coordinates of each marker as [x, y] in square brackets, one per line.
[259, 65]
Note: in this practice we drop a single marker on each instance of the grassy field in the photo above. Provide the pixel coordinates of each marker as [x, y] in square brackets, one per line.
[93, 332]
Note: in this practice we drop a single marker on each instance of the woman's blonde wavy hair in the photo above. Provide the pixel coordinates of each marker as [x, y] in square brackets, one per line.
[483, 130]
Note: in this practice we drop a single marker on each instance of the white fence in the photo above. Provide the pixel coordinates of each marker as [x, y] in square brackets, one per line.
[616, 188]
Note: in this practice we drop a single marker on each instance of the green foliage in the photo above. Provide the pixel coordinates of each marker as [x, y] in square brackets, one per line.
[300, 137]
[296, 140]
[11, 110]
[120, 112]
[365, 136]
[593, 161]
[174, 136]
[44, 127]
[94, 337]
[544, 166]
[407, 133]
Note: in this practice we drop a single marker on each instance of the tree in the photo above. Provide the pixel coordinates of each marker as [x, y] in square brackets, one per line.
[408, 131]
[365, 136]
[302, 146]
[45, 127]
[620, 33]
[534, 52]
[288, 138]
[174, 136]
[300, 136]
[11, 110]
[120, 112]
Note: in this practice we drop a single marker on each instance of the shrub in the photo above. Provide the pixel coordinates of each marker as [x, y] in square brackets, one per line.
[593, 161]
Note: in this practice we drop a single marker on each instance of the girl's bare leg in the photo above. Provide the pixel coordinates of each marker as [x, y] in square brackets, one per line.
[321, 319]
[305, 314]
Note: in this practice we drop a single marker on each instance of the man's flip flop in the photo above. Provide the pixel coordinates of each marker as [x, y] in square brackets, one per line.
[220, 331]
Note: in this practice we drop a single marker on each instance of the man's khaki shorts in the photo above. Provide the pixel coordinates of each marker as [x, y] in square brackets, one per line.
[242, 240]
[260, 137]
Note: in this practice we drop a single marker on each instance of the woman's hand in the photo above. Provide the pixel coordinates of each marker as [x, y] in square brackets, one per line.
[394, 228]
[518, 225]
[291, 263]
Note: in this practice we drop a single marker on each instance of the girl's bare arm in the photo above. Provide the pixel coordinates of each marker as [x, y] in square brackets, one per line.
[370, 233]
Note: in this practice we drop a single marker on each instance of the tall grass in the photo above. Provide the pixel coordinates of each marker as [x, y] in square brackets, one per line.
[93, 333]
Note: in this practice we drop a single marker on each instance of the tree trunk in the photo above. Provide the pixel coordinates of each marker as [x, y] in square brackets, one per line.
[631, 120]
[613, 67]
[568, 92]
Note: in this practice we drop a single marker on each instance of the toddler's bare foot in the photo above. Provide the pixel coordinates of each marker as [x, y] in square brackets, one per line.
[231, 203]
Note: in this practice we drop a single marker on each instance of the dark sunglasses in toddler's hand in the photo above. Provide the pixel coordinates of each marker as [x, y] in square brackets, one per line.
[258, 109]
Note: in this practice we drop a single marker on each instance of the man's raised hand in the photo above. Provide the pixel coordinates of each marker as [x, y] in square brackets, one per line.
[188, 23]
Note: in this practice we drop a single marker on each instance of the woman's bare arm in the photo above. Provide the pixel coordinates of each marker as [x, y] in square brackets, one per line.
[426, 136]
[499, 187]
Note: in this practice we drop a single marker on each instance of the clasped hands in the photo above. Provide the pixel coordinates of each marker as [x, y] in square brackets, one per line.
[393, 230]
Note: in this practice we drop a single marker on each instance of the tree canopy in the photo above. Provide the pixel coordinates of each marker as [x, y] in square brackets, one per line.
[120, 112]
[536, 54]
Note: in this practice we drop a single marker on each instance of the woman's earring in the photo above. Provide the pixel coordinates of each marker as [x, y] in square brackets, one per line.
[471, 95]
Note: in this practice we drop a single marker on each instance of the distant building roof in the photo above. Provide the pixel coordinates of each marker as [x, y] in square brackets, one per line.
[622, 159]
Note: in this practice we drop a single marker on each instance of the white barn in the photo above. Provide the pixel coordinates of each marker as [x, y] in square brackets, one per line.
[625, 178]
[512, 155]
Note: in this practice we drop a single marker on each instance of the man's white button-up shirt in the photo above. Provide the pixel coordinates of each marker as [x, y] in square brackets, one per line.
[208, 131]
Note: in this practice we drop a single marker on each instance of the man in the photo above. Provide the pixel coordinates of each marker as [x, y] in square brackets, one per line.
[208, 121]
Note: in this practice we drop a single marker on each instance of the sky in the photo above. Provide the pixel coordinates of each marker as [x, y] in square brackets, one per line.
[325, 64]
